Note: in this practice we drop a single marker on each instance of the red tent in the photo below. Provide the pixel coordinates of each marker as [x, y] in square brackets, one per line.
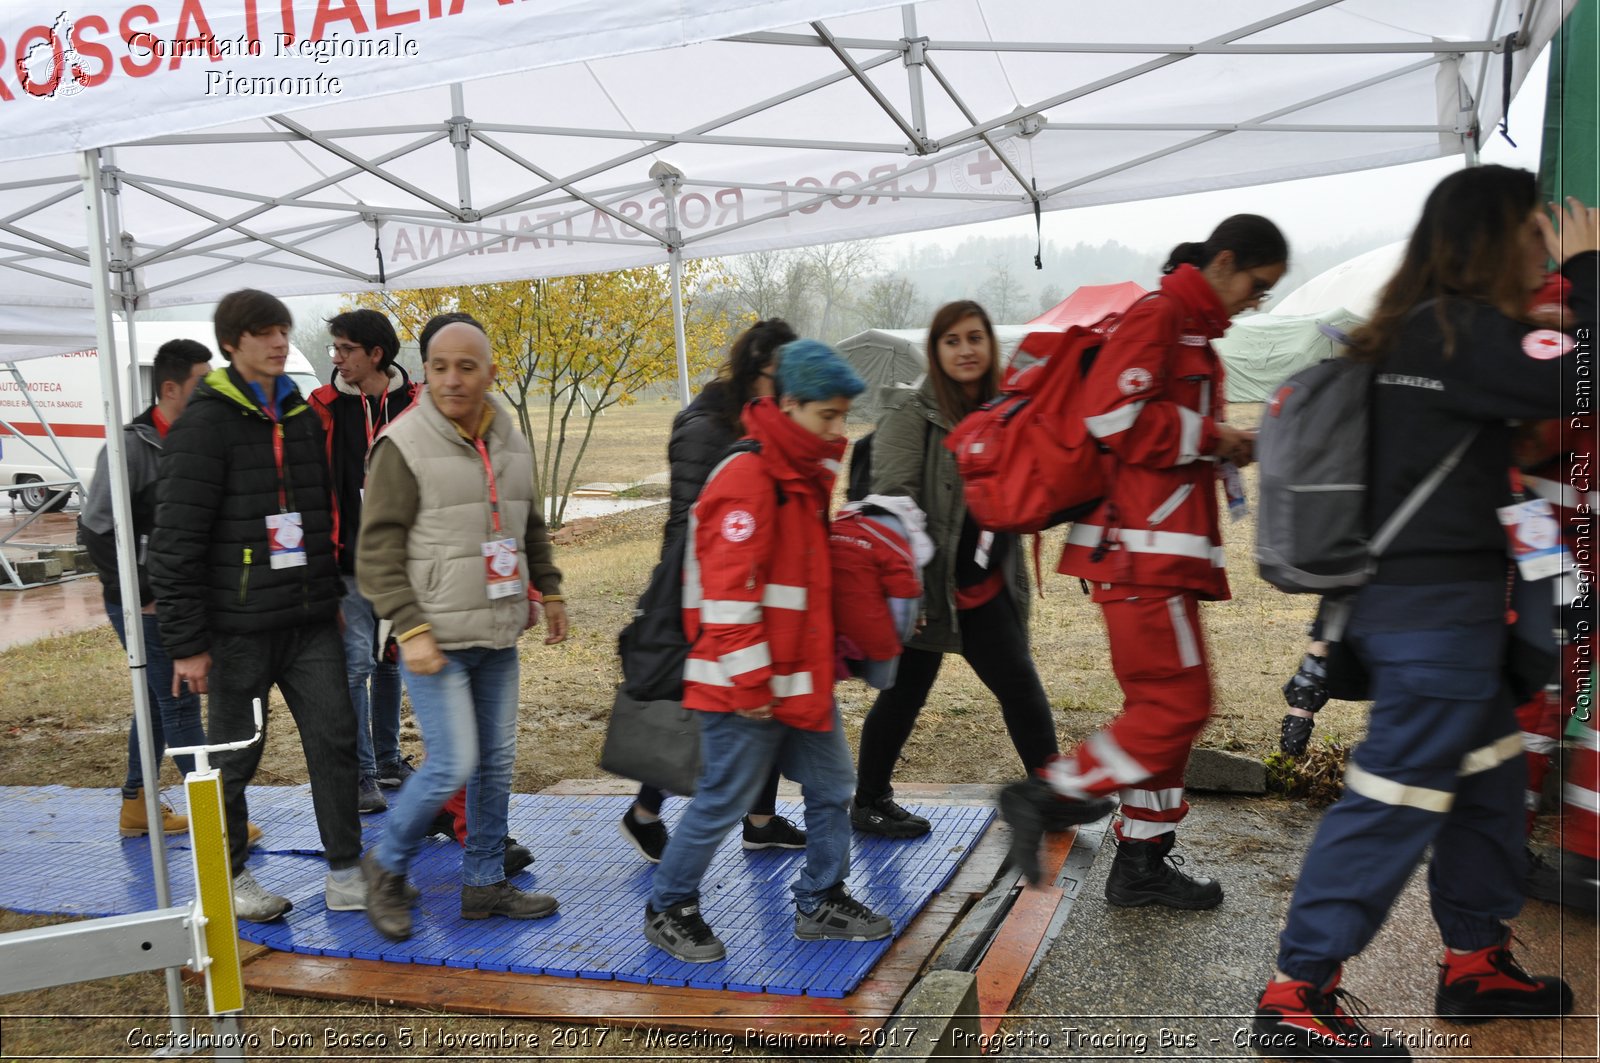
[1088, 305]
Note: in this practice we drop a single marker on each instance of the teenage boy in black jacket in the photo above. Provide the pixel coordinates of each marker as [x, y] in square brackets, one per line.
[247, 588]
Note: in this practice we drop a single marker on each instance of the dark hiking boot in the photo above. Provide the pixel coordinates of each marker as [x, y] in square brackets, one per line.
[1030, 807]
[388, 906]
[681, 933]
[1490, 984]
[1296, 1020]
[1145, 872]
[518, 856]
[504, 899]
[884, 816]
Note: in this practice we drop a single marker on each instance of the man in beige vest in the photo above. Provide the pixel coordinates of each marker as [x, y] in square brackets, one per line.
[454, 551]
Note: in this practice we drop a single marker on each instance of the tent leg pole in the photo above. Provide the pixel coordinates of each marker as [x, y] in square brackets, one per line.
[127, 563]
[679, 343]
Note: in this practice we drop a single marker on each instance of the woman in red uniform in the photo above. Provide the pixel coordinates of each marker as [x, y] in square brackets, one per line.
[1152, 552]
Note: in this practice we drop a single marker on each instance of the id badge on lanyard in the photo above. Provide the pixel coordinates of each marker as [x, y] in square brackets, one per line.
[286, 535]
[501, 579]
[1534, 537]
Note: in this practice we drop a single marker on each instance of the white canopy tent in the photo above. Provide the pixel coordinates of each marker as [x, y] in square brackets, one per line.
[316, 147]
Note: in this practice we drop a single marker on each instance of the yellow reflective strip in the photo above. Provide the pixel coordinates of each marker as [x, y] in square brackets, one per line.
[1377, 788]
[1493, 755]
[213, 881]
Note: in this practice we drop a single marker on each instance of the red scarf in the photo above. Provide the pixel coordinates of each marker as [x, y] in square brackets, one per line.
[1190, 287]
[785, 444]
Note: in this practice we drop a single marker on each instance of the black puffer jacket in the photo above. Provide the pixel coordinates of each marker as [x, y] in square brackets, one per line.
[208, 553]
[701, 435]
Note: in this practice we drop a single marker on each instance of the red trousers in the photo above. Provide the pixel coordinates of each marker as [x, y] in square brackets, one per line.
[1158, 654]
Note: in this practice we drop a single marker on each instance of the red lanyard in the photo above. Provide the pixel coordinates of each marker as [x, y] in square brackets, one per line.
[373, 428]
[277, 458]
[488, 472]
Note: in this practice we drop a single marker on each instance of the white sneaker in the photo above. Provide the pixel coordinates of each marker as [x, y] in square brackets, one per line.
[345, 891]
[254, 904]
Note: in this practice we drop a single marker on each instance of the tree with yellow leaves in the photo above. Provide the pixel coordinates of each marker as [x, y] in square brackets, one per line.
[568, 348]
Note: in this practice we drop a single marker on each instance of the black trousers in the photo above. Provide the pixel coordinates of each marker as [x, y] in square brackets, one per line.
[995, 643]
[765, 804]
[307, 665]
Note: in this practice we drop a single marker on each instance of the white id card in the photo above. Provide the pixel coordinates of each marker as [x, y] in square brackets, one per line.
[500, 568]
[286, 540]
[1233, 487]
[1534, 536]
[985, 545]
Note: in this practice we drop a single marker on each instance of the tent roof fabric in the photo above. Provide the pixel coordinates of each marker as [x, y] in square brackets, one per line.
[598, 136]
[1259, 351]
[1353, 285]
[1089, 304]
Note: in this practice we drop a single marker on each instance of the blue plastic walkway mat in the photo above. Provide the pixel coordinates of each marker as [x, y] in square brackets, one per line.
[46, 866]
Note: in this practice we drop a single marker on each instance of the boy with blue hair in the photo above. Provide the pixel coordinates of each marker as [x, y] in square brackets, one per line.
[758, 614]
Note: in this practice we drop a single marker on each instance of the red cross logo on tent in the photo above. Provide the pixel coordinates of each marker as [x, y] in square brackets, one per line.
[985, 167]
[737, 526]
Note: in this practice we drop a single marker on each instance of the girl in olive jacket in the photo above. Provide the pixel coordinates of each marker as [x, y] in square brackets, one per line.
[975, 590]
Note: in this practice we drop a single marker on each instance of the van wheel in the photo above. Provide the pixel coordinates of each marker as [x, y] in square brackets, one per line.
[35, 498]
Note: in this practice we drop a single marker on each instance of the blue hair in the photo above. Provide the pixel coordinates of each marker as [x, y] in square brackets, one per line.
[811, 371]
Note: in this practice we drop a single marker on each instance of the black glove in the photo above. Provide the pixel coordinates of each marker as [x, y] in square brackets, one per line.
[1296, 734]
[1308, 688]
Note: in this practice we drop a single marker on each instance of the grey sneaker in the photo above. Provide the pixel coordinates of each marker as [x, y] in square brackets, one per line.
[345, 891]
[369, 798]
[253, 903]
[502, 898]
[681, 933]
[840, 917]
[388, 907]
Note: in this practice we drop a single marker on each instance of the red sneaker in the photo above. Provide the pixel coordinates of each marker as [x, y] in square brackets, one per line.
[1296, 1020]
[1490, 984]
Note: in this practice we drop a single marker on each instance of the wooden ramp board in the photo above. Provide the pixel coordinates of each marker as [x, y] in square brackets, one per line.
[821, 1022]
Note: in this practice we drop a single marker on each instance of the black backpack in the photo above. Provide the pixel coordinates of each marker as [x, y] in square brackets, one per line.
[653, 646]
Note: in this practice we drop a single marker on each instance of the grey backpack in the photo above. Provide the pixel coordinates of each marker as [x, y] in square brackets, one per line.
[1312, 453]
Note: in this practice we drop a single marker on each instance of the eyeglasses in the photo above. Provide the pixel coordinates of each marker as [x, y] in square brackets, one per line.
[344, 350]
[1260, 290]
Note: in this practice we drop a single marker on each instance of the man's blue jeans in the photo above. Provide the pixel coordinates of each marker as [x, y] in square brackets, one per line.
[468, 715]
[173, 721]
[736, 756]
[377, 716]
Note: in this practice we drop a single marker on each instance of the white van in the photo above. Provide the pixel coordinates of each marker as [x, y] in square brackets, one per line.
[66, 393]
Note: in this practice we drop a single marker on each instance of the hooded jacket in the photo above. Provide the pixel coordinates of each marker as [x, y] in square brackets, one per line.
[702, 433]
[349, 433]
[1153, 400]
[208, 556]
[141, 446]
[757, 585]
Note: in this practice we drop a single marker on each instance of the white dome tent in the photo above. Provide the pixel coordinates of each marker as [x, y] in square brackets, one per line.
[1352, 285]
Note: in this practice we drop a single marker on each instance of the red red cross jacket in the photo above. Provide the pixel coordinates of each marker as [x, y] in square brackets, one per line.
[871, 564]
[1154, 399]
[757, 585]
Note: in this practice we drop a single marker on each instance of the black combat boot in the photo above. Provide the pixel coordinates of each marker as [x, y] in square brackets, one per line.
[1144, 872]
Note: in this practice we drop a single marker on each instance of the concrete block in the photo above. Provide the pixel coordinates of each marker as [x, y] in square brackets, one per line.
[1223, 772]
[40, 571]
[72, 558]
[938, 1018]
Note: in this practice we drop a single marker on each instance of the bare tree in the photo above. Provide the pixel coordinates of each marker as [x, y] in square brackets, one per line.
[890, 302]
[1001, 294]
[836, 270]
[1050, 296]
[312, 337]
[772, 284]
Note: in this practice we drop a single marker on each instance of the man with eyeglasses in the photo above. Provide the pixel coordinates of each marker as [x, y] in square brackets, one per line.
[365, 394]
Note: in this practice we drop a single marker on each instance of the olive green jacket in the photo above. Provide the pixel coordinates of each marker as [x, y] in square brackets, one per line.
[909, 458]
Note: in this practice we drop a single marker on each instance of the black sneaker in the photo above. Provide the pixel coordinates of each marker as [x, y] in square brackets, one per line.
[681, 933]
[443, 826]
[1563, 877]
[395, 773]
[369, 798]
[1146, 872]
[885, 817]
[649, 838]
[1296, 734]
[518, 856]
[1296, 1020]
[840, 917]
[778, 833]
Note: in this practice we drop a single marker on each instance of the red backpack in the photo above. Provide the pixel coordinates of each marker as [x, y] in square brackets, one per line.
[1026, 458]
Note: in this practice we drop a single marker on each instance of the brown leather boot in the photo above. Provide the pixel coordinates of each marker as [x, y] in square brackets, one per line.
[135, 821]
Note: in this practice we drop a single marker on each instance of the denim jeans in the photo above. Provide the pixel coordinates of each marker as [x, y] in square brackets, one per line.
[377, 716]
[468, 715]
[737, 755]
[307, 665]
[173, 721]
[1441, 767]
